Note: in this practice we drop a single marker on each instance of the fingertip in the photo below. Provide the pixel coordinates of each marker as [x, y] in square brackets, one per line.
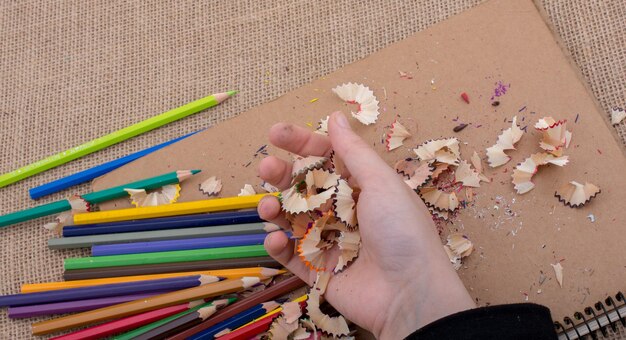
[268, 208]
[280, 133]
[275, 243]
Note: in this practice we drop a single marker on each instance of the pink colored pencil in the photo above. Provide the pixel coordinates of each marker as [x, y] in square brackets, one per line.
[126, 324]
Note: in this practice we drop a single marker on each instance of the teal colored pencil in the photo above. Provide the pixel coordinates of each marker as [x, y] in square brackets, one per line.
[144, 329]
[96, 197]
[114, 138]
[165, 257]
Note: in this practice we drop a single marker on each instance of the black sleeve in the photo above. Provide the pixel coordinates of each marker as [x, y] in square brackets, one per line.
[514, 321]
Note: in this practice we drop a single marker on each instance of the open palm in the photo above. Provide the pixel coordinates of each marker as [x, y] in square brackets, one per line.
[402, 279]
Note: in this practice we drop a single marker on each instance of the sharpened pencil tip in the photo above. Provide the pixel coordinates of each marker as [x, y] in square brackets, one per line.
[232, 92]
[193, 172]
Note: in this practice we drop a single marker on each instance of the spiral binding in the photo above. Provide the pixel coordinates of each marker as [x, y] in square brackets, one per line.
[594, 319]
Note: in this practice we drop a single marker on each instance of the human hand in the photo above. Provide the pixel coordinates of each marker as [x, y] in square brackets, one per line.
[402, 279]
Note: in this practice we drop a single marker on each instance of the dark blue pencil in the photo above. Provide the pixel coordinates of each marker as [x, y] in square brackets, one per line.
[162, 223]
[236, 321]
[115, 289]
[89, 174]
[171, 245]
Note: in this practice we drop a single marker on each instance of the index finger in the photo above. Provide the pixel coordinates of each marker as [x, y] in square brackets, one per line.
[298, 140]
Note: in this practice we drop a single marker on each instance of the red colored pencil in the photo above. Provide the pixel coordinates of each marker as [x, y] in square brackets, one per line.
[126, 324]
[251, 330]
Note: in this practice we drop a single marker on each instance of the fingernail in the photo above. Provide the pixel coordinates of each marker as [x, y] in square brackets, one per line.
[341, 120]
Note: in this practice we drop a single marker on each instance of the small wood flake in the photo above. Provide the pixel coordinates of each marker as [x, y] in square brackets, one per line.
[396, 135]
[617, 115]
[212, 186]
[247, 190]
[575, 195]
[523, 172]
[466, 175]
[360, 94]
[440, 150]
[506, 141]
[555, 136]
[558, 271]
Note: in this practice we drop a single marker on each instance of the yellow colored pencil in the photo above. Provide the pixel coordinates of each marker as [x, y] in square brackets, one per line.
[268, 314]
[225, 273]
[174, 209]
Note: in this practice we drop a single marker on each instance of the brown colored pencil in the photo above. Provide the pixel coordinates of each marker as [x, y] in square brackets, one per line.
[265, 295]
[161, 268]
[143, 305]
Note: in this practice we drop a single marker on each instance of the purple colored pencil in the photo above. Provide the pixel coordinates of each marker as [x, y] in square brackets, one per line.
[74, 306]
[172, 245]
[114, 289]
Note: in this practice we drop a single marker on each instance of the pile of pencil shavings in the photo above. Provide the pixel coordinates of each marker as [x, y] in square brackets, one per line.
[438, 175]
[321, 206]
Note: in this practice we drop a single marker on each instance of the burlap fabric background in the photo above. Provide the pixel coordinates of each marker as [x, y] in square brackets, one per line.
[74, 70]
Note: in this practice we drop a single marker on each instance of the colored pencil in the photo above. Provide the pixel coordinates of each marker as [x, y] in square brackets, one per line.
[144, 305]
[176, 222]
[236, 321]
[223, 273]
[270, 293]
[300, 300]
[113, 138]
[115, 289]
[96, 197]
[141, 330]
[164, 257]
[173, 245]
[132, 322]
[91, 173]
[163, 268]
[173, 326]
[72, 306]
[174, 209]
[156, 235]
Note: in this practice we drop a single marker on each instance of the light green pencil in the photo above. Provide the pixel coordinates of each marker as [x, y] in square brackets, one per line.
[113, 138]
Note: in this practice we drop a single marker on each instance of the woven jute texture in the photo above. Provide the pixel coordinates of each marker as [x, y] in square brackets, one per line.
[71, 71]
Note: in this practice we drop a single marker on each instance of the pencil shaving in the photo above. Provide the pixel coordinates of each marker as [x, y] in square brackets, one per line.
[335, 326]
[575, 195]
[212, 186]
[268, 187]
[360, 94]
[247, 190]
[300, 223]
[349, 244]
[396, 135]
[440, 150]
[166, 195]
[478, 165]
[444, 215]
[617, 115]
[555, 136]
[439, 169]
[322, 126]
[345, 206]
[281, 329]
[457, 247]
[506, 141]
[523, 172]
[304, 164]
[439, 199]
[466, 175]
[291, 311]
[558, 272]
[309, 250]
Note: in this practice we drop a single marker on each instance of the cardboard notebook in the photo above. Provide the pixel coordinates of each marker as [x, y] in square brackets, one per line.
[517, 237]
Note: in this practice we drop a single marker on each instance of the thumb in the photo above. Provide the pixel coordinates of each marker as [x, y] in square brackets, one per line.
[364, 164]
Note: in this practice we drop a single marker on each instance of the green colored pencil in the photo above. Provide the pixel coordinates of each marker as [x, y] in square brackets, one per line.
[165, 257]
[141, 330]
[96, 197]
[113, 138]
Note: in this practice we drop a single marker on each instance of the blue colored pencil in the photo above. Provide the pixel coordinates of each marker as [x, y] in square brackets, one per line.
[115, 289]
[235, 321]
[171, 245]
[163, 223]
[89, 174]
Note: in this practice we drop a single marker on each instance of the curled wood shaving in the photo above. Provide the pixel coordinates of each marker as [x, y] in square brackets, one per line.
[407, 166]
[362, 95]
[506, 141]
[439, 169]
[617, 115]
[309, 250]
[338, 165]
[335, 326]
[478, 165]
[281, 329]
[212, 186]
[322, 126]
[78, 205]
[304, 164]
[268, 187]
[574, 194]
[166, 195]
[440, 150]
[466, 175]
[457, 247]
[291, 311]
[439, 199]
[416, 172]
[454, 259]
[321, 282]
[321, 179]
[349, 244]
[345, 206]
[396, 135]
[300, 223]
[295, 202]
[558, 271]
[247, 190]
[524, 171]
[300, 334]
[444, 215]
[555, 136]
